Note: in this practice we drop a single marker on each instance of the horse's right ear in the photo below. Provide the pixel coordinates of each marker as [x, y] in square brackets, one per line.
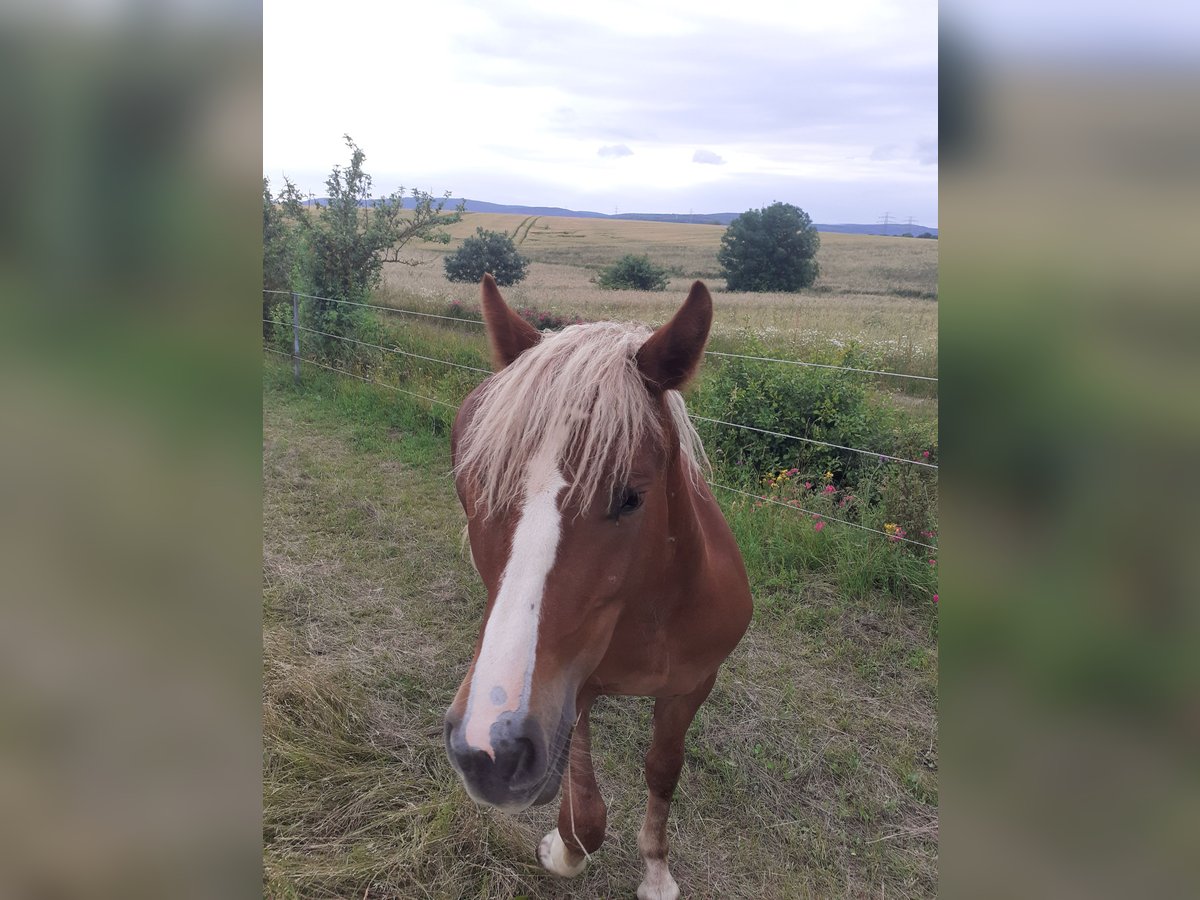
[671, 355]
[508, 333]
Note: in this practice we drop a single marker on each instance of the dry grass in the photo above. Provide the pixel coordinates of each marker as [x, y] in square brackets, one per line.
[811, 771]
[874, 293]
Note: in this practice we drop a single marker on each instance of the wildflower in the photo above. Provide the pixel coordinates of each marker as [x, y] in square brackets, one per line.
[933, 562]
[830, 489]
[808, 485]
[890, 527]
[817, 526]
[925, 454]
[829, 476]
[935, 598]
[793, 471]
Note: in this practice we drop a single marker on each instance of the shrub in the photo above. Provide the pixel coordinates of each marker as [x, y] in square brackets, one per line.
[487, 251]
[342, 248]
[279, 256]
[770, 249]
[821, 404]
[634, 273]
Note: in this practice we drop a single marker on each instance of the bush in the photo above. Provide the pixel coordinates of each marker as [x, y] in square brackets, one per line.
[770, 249]
[342, 248]
[487, 251]
[821, 404]
[635, 273]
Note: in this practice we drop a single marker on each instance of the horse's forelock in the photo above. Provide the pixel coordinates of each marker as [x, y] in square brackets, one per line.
[579, 391]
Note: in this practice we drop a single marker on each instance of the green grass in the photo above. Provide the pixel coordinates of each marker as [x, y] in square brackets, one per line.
[811, 771]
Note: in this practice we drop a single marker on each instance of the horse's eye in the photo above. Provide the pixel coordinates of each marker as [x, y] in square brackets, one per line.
[632, 501]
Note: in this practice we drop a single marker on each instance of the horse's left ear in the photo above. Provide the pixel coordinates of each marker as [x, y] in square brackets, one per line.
[672, 354]
[508, 333]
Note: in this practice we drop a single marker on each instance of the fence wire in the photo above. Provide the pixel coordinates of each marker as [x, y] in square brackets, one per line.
[770, 359]
[313, 362]
[795, 437]
[890, 537]
[698, 418]
[339, 337]
[451, 406]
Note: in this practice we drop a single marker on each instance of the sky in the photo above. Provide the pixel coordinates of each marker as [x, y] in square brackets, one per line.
[652, 106]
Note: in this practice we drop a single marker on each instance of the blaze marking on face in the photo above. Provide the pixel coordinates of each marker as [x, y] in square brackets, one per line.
[504, 670]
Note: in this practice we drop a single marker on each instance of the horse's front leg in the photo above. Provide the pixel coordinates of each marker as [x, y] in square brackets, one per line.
[672, 716]
[582, 815]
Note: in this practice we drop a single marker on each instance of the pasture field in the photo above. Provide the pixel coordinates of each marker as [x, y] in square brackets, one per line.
[875, 293]
[810, 773]
[812, 770]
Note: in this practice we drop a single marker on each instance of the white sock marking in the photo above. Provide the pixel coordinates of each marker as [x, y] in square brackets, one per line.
[504, 669]
[552, 853]
[658, 883]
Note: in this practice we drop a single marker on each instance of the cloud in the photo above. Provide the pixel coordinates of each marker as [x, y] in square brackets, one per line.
[884, 152]
[707, 157]
[927, 151]
[615, 150]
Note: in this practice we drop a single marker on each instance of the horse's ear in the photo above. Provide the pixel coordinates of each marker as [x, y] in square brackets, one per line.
[508, 333]
[672, 354]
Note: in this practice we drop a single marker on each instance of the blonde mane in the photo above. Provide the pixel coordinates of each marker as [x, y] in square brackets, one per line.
[577, 395]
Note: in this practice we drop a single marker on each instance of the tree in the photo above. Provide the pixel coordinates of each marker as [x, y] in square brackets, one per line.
[770, 249]
[487, 251]
[279, 254]
[634, 272]
[351, 235]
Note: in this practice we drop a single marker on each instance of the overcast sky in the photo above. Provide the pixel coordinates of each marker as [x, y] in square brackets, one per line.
[651, 106]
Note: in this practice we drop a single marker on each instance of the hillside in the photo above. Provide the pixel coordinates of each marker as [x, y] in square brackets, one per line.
[723, 218]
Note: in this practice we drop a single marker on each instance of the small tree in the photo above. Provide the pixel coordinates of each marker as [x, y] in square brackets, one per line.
[279, 255]
[487, 251]
[635, 273]
[770, 249]
[347, 240]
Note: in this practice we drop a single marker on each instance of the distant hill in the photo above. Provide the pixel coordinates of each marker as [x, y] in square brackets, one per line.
[722, 219]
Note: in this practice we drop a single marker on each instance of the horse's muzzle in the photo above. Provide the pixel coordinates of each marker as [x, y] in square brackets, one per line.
[521, 770]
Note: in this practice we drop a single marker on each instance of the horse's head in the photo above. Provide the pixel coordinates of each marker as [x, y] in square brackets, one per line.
[563, 463]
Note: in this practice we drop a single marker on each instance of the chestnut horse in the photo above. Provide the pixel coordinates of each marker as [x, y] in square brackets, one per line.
[608, 565]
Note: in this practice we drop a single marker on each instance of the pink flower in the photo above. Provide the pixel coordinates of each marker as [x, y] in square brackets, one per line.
[829, 489]
[818, 526]
[793, 471]
[933, 562]
[925, 454]
[808, 485]
[935, 598]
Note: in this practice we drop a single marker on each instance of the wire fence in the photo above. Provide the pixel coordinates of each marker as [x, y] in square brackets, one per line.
[770, 359]
[297, 358]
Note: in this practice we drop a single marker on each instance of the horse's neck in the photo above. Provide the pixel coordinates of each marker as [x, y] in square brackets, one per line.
[685, 524]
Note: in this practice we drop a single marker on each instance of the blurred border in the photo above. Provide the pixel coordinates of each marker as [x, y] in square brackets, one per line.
[129, 460]
[1070, 705]
[129, 456]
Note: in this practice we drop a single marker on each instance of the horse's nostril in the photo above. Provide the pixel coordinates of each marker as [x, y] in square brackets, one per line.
[514, 759]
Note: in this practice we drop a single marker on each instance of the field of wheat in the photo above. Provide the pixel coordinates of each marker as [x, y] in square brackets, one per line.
[874, 292]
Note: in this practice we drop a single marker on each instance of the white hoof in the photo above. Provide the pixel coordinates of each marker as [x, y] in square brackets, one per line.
[552, 854]
[658, 883]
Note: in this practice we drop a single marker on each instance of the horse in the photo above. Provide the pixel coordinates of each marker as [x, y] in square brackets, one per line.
[609, 568]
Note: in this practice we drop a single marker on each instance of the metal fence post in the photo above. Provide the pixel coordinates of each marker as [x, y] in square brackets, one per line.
[295, 337]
